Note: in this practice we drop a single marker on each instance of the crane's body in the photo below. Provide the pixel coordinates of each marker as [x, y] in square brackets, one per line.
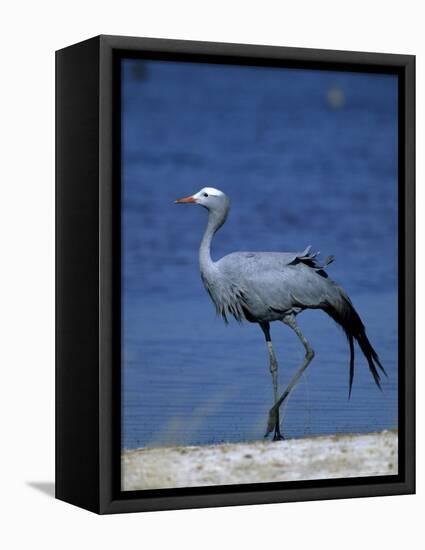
[264, 287]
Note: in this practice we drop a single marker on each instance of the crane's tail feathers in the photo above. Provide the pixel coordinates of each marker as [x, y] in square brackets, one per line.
[351, 344]
[343, 313]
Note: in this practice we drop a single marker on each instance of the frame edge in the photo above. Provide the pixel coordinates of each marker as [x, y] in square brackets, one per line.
[108, 502]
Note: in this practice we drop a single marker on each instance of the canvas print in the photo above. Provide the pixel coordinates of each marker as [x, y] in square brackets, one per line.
[259, 285]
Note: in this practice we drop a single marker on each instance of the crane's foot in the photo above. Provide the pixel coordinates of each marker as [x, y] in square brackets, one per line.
[273, 421]
[277, 435]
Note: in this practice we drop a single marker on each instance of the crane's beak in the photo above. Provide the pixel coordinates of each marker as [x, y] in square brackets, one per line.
[185, 200]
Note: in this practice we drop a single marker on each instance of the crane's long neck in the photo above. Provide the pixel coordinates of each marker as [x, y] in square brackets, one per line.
[215, 221]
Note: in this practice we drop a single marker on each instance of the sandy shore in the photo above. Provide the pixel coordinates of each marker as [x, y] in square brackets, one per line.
[324, 457]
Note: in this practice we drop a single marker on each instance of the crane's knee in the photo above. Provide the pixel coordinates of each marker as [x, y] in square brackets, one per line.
[310, 354]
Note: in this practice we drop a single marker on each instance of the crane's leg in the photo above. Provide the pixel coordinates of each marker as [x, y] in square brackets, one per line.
[273, 370]
[309, 354]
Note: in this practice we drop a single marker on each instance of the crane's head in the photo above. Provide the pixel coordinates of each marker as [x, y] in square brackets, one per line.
[212, 199]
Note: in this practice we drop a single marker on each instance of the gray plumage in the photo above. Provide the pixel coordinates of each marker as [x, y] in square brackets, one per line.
[263, 287]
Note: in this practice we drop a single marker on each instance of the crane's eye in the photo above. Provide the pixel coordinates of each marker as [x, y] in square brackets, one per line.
[205, 194]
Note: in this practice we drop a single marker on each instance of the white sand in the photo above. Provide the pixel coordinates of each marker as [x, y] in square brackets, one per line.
[324, 457]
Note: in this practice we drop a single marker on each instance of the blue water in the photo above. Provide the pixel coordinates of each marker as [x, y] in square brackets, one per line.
[307, 157]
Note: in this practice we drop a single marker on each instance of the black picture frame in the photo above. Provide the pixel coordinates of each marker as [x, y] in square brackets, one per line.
[88, 275]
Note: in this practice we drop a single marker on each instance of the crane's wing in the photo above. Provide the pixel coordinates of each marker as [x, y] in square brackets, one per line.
[240, 263]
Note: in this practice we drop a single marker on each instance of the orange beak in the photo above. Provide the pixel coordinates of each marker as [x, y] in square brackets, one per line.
[185, 200]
